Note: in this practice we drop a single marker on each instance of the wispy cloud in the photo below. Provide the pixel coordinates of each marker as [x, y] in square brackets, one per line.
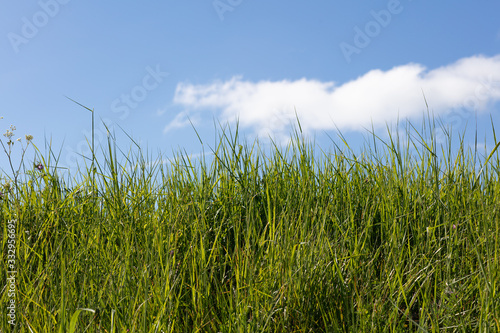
[377, 96]
[181, 120]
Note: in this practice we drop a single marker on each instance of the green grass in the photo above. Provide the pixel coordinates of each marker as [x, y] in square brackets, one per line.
[291, 240]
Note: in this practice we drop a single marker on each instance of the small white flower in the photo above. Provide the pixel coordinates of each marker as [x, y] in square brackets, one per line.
[19, 140]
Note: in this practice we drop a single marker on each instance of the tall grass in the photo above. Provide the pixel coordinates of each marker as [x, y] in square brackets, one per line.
[395, 239]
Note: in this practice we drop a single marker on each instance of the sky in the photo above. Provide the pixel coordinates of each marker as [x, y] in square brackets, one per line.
[156, 69]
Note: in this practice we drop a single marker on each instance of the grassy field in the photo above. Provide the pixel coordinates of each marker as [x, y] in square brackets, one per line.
[404, 237]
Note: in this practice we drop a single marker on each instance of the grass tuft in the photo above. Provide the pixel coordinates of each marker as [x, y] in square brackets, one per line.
[403, 237]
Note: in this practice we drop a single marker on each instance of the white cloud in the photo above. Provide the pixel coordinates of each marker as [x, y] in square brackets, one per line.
[180, 120]
[377, 96]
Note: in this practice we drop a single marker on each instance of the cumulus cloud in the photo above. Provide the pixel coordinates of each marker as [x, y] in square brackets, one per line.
[377, 97]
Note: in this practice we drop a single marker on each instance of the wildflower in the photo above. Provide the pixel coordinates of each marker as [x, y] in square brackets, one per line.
[454, 226]
[29, 137]
[18, 140]
[8, 134]
[7, 185]
[39, 166]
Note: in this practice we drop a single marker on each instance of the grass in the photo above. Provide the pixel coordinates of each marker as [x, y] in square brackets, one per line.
[395, 239]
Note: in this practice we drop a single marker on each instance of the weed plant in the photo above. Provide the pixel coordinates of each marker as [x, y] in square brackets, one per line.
[395, 239]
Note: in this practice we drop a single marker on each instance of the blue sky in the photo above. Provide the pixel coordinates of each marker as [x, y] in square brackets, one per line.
[148, 67]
